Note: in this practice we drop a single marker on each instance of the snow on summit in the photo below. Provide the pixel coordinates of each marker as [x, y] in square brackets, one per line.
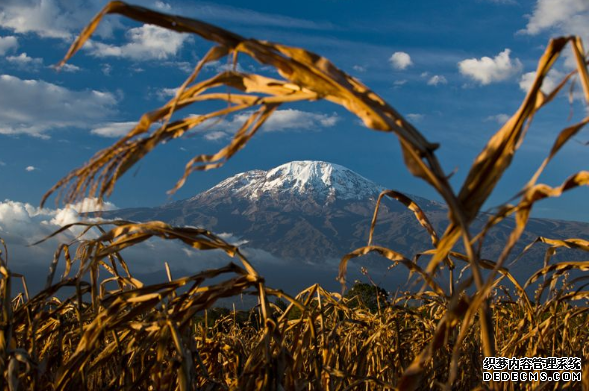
[316, 178]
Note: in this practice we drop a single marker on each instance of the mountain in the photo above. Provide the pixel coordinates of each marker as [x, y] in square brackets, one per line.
[311, 211]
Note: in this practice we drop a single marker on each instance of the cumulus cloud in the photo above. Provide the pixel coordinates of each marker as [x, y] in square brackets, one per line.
[44, 18]
[17, 219]
[144, 43]
[281, 120]
[52, 18]
[490, 70]
[562, 16]
[436, 80]
[114, 129]
[401, 60]
[23, 223]
[30, 168]
[7, 44]
[551, 81]
[35, 107]
[23, 61]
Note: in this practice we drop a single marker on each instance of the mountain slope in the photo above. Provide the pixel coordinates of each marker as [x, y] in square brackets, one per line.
[310, 211]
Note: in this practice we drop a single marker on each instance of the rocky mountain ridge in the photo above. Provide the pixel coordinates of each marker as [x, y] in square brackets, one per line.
[311, 211]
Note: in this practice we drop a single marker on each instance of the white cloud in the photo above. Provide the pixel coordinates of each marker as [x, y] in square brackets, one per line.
[436, 80]
[399, 83]
[7, 43]
[499, 118]
[24, 61]
[215, 135]
[165, 93]
[64, 18]
[114, 129]
[16, 220]
[53, 18]
[44, 18]
[551, 81]
[415, 117]
[401, 60]
[69, 68]
[70, 213]
[144, 43]
[162, 5]
[2, 164]
[30, 168]
[563, 16]
[24, 223]
[295, 119]
[280, 120]
[359, 68]
[489, 70]
[35, 107]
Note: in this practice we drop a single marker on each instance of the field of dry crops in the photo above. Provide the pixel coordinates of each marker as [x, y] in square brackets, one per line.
[116, 333]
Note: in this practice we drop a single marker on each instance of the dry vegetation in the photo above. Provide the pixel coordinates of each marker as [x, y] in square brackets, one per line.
[116, 333]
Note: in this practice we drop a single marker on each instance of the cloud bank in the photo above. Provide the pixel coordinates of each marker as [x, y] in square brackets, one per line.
[55, 106]
[147, 42]
[280, 121]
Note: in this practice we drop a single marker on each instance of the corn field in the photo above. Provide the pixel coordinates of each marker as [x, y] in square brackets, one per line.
[115, 333]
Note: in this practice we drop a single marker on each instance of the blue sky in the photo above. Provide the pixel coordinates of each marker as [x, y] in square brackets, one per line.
[454, 69]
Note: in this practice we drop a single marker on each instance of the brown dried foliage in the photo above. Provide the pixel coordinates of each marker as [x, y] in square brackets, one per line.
[131, 336]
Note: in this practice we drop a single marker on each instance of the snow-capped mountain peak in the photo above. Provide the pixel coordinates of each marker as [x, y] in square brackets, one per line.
[318, 179]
